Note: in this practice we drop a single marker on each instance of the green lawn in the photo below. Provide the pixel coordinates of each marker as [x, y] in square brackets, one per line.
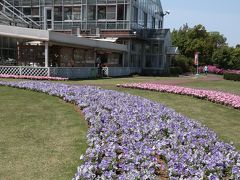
[42, 137]
[224, 85]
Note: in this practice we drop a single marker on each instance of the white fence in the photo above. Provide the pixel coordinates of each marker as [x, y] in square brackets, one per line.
[68, 72]
[24, 70]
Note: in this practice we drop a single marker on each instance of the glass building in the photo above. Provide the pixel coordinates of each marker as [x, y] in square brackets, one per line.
[66, 15]
[135, 23]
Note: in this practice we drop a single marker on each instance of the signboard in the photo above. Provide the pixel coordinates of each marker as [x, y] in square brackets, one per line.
[196, 58]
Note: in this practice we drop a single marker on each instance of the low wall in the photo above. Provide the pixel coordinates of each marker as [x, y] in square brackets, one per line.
[73, 72]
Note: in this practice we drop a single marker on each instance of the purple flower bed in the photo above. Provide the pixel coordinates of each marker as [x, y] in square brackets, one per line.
[213, 96]
[127, 134]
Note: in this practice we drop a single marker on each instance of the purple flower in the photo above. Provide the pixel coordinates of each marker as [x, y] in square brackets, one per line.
[128, 134]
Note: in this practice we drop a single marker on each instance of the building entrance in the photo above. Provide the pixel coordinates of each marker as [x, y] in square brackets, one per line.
[103, 57]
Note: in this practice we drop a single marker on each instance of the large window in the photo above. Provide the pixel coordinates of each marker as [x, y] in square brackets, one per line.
[91, 13]
[159, 24]
[151, 62]
[35, 11]
[77, 13]
[57, 2]
[153, 22]
[102, 12]
[145, 19]
[120, 12]
[135, 15]
[67, 13]
[84, 12]
[106, 12]
[72, 13]
[111, 12]
[79, 57]
[58, 13]
[115, 59]
[27, 11]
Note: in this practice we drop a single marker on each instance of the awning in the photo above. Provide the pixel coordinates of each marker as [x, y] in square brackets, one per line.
[60, 38]
[108, 39]
[34, 43]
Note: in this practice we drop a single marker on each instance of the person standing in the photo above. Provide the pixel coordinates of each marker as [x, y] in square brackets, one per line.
[205, 69]
[99, 65]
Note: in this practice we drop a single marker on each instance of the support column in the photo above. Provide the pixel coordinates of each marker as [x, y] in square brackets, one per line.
[129, 53]
[123, 59]
[95, 56]
[18, 54]
[46, 53]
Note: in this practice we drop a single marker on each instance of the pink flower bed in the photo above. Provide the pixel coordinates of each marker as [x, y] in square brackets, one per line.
[212, 69]
[33, 77]
[216, 70]
[213, 96]
[233, 71]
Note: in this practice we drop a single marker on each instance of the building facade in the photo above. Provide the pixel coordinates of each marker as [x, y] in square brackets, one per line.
[137, 24]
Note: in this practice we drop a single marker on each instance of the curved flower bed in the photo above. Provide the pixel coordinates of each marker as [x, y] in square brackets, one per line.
[33, 77]
[128, 135]
[213, 96]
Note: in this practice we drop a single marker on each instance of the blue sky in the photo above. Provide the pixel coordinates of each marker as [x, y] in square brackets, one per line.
[216, 15]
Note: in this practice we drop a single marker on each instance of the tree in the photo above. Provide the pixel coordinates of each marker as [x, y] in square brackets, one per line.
[223, 56]
[189, 40]
[183, 62]
[235, 60]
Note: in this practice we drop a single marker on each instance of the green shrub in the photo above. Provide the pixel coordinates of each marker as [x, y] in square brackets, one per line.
[175, 71]
[231, 76]
[183, 62]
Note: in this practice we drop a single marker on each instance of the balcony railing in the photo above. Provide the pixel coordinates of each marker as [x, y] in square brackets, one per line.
[14, 16]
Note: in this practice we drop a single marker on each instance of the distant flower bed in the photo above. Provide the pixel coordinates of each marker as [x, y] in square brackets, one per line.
[130, 137]
[33, 77]
[210, 95]
[216, 70]
[232, 71]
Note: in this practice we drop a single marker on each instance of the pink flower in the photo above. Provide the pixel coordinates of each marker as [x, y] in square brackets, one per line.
[210, 95]
[33, 77]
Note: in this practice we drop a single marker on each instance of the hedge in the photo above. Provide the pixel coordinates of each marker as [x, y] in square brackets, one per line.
[231, 76]
[175, 71]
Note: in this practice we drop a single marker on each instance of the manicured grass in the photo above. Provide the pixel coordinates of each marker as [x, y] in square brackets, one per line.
[223, 85]
[42, 137]
[114, 81]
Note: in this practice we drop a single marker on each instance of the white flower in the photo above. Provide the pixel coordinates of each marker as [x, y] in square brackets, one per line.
[81, 157]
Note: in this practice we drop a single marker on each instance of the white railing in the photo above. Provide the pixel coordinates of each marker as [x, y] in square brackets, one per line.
[67, 72]
[24, 70]
[105, 71]
[13, 13]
